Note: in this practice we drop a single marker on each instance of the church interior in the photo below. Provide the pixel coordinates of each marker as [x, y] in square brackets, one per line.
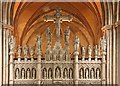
[59, 42]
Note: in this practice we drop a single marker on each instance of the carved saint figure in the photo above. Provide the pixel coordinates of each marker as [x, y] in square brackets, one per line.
[98, 73]
[87, 73]
[48, 34]
[28, 73]
[23, 74]
[70, 73]
[19, 50]
[96, 50]
[32, 51]
[103, 43]
[39, 42]
[17, 74]
[57, 73]
[76, 43]
[34, 73]
[25, 50]
[65, 73]
[81, 73]
[12, 43]
[44, 73]
[83, 51]
[89, 51]
[92, 73]
[67, 33]
[50, 73]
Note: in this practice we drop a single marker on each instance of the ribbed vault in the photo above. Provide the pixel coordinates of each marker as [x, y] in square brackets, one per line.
[28, 21]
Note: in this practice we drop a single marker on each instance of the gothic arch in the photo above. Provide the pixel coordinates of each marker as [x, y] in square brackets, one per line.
[44, 73]
[87, 73]
[23, 73]
[81, 73]
[65, 73]
[33, 73]
[28, 73]
[70, 73]
[57, 72]
[98, 73]
[50, 73]
[17, 73]
[92, 73]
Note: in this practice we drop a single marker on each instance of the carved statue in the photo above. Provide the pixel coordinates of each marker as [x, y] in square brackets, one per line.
[17, 74]
[48, 34]
[39, 43]
[96, 50]
[71, 73]
[34, 73]
[44, 73]
[103, 43]
[12, 43]
[81, 73]
[32, 51]
[67, 34]
[50, 74]
[98, 73]
[76, 43]
[65, 73]
[92, 73]
[87, 73]
[28, 74]
[19, 50]
[89, 51]
[25, 50]
[57, 73]
[23, 74]
[83, 51]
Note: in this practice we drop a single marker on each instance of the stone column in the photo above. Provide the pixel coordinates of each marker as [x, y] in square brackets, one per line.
[39, 55]
[11, 68]
[1, 69]
[76, 71]
[117, 71]
[103, 75]
[108, 34]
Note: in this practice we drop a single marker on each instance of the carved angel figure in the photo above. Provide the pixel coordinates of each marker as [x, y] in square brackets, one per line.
[89, 51]
[12, 43]
[76, 43]
[32, 51]
[103, 43]
[39, 42]
[83, 51]
[96, 50]
[49, 34]
[67, 33]
[19, 50]
[25, 50]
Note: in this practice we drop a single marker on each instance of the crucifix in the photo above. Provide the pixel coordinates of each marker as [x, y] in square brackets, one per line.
[57, 19]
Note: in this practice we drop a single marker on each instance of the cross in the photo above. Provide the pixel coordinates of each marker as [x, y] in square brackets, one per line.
[57, 19]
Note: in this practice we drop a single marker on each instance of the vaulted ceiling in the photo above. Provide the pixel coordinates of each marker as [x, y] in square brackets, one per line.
[29, 22]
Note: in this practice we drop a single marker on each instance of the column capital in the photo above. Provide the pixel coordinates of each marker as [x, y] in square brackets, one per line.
[117, 23]
[106, 27]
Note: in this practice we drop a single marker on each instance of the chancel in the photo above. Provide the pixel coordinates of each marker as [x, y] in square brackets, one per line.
[65, 43]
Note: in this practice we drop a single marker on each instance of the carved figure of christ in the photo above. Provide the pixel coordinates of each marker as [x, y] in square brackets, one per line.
[57, 19]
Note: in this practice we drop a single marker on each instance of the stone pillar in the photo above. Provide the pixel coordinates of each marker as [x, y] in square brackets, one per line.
[117, 25]
[108, 34]
[1, 58]
[39, 55]
[76, 71]
[103, 75]
[11, 74]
